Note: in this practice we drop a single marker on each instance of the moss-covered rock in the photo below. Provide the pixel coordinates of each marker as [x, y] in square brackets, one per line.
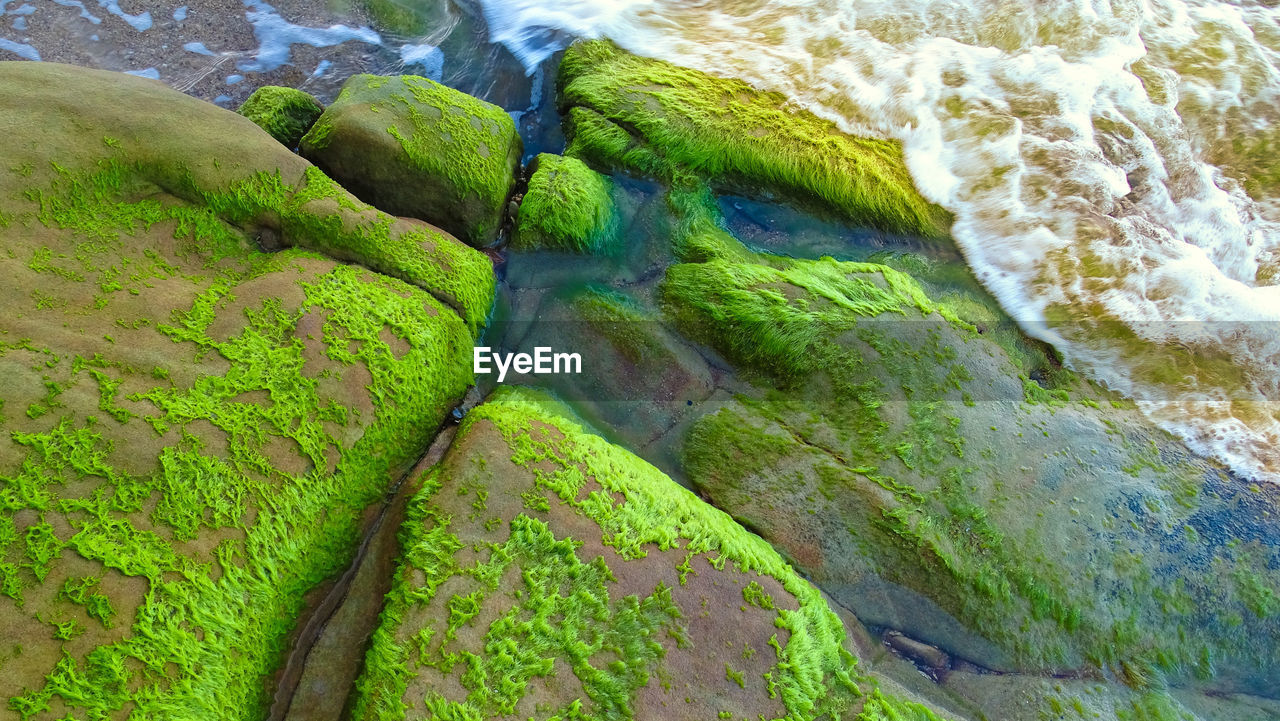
[549, 574]
[413, 147]
[568, 207]
[285, 113]
[193, 428]
[653, 118]
[912, 470]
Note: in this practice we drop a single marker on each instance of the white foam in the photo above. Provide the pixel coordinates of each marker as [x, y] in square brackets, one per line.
[534, 30]
[22, 50]
[429, 57]
[276, 36]
[1084, 146]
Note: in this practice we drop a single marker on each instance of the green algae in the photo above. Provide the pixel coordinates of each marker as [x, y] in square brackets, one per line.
[456, 158]
[458, 276]
[881, 707]
[260, 456]
[858, 403]
[279, 561]
[658, 119]
[621, 320]
[567, 206]
[638, 511]
[318, 215]
[397, 16]
[744, 310]
[83, 592]
[285, 113]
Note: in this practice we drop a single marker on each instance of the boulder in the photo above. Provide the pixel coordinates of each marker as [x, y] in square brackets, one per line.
[413, 147]
[549, 574]
[906, 462]
[285, 113]
[568, 206]
[194, 428]
[657, 119]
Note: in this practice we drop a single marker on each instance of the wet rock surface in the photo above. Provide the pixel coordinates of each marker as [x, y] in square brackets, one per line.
[286, 113]
[194, 428]
[199, 432]
[548, 573]
[414, 147]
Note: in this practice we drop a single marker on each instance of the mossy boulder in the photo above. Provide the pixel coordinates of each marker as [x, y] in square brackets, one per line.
[654, 118]
[286, 113]
[907, 464]
[194, 428]
[568, 206]
[549, 574]
[413, 147]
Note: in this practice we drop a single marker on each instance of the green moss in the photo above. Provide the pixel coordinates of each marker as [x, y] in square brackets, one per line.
[736, 136]
[254, 449]
[880, 707]
[568, 206]
[286, 113]
[456, 159]
[82, 592]
[564, 608]
[746, 311]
